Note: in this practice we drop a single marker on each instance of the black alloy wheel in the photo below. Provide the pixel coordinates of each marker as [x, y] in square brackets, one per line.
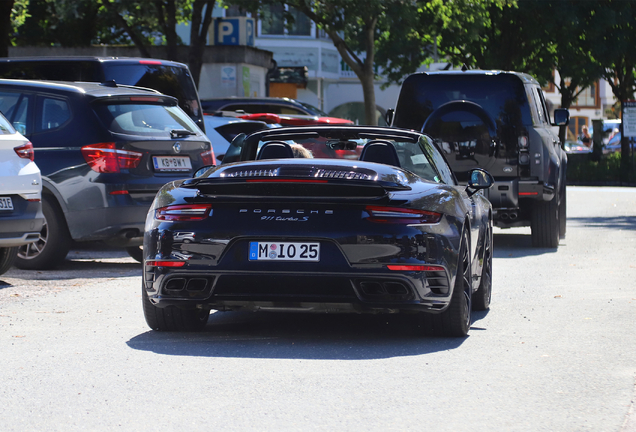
[481, 297]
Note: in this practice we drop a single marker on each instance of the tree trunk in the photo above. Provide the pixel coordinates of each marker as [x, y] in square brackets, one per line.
[5, 27]
[198, 36]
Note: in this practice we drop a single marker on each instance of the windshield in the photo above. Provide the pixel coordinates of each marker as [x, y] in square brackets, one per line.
[313, 109]
[144, 119]
[415, 157]
[503, 97]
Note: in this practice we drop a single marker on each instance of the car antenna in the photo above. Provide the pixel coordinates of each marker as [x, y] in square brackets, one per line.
[464, 67]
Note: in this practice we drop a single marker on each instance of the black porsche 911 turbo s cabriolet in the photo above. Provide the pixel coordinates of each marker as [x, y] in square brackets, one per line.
[321, 219]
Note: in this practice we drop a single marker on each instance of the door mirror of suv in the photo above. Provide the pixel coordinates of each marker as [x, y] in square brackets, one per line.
[389, 116]
[561, 117]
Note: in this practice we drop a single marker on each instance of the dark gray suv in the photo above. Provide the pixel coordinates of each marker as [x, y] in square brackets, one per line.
[497, 121]
[104, 151]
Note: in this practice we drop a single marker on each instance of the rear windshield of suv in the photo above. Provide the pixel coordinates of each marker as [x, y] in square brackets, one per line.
[171, 80]
[144, 119]
[502, 96]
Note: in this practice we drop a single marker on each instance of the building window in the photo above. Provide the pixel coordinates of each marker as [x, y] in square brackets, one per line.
[588, 98]
[273, 22]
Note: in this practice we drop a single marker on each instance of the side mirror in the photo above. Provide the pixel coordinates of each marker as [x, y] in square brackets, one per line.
[479, 179]
[561, 117]
[202, 170]
[390, 113]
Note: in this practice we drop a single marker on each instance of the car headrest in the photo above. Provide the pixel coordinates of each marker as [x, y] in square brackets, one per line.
[275, 150]
[380, 152]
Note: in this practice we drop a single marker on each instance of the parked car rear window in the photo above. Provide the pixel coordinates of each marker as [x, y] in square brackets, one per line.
[5, 126]
[170, 80]
[146, 120]
[502, 96]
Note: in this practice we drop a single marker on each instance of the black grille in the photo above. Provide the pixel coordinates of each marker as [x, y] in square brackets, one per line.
[437, 282]
[275, 286]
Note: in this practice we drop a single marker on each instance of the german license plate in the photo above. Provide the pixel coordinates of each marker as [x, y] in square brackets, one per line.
[284, 251]
[6, 203]
[172, 163]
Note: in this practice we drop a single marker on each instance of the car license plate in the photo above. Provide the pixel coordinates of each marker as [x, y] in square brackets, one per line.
[284, 251]
[172, 163]
[6, 203]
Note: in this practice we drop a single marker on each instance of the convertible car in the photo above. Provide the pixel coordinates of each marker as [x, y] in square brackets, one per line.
[321, 219]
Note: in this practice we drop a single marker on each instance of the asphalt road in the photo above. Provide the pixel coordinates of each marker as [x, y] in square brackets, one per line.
[556, 352]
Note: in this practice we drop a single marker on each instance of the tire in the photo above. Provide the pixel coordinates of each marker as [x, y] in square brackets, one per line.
[136, 253]
[481, 297]
[51, 248]
[172, 318]
[545, 224]
[7, 257]
[563, 216]
[455, 320]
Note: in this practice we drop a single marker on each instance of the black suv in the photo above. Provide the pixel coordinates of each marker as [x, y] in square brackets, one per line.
[167, 77]
[497, 121]
[103, 151]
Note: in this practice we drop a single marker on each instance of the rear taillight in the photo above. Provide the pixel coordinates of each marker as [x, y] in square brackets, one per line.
[415, 268]
[105, 158]
[165, 263]
[25, 151]
[208, 157]
[524, 156]
[184, 212]
[399, 215]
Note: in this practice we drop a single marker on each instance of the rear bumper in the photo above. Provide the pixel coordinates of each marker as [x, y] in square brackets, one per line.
[505, 194]
[22, 225]
[356, 291]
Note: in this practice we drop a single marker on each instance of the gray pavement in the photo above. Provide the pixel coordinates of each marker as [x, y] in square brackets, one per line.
[556, 352]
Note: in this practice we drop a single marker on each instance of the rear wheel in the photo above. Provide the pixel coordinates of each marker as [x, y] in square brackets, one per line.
[7, 257]
[481, 298]
[545, 223]
[563, 213]
[136, 253]
[455, 320]
[52, 246]
[171, 318]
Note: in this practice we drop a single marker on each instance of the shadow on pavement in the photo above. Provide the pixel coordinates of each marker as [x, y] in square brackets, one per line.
[617, 222]
[517, 245]
[298, 336]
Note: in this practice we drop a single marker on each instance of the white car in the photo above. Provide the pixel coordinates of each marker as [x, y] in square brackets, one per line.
[21, 218]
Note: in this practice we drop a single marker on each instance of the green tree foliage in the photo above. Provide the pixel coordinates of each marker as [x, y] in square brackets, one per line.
[369, 35]
[613, 39]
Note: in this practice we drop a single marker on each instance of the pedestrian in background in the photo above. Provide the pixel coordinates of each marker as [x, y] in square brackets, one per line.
[586, 138]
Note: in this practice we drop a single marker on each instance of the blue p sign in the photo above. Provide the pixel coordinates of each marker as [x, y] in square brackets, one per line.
[227, 32]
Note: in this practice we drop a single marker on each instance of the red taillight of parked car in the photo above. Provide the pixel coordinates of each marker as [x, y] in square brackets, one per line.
[380, 214]
[105, 158]
[25, 151]
[183, 212]
[208, 157]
